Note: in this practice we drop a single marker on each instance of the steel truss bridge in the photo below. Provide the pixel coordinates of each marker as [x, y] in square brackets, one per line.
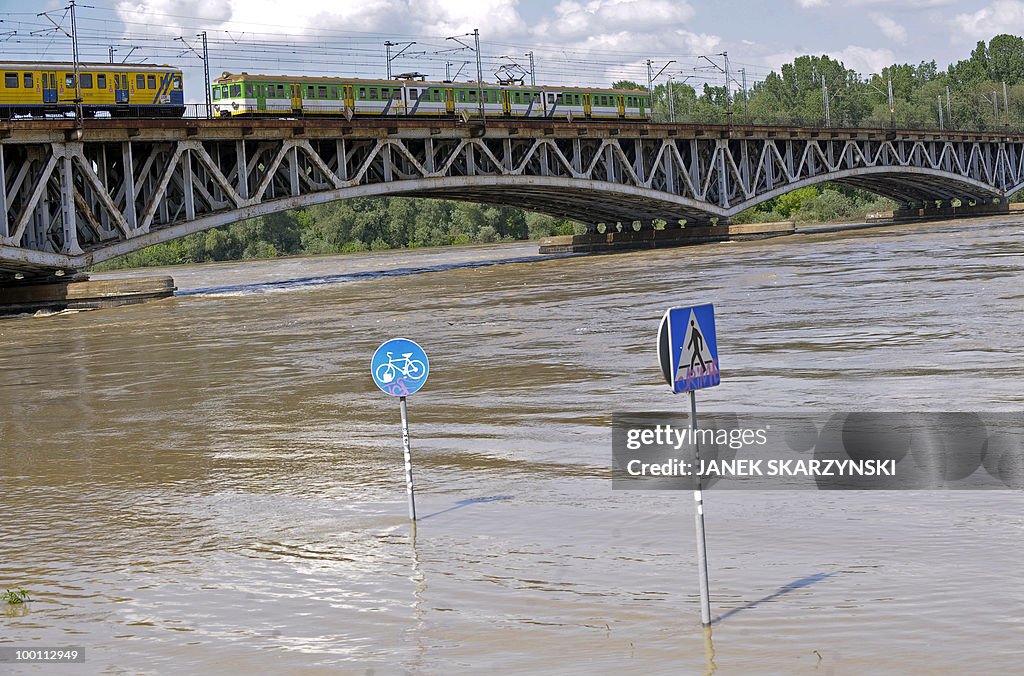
[75, 194]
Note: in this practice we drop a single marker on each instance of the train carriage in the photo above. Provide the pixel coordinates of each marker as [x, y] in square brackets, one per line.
[270, 95]
[123, 89]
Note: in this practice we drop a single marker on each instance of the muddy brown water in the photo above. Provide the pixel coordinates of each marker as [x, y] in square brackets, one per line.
[213, 483]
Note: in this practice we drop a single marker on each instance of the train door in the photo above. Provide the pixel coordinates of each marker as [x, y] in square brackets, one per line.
[586, 104]
[296, 98]
[622, 105]
[66, 87]
[49, 87]
[261, 97]
[506, 102]
[449, 101]
[350, 98]
[120, 87]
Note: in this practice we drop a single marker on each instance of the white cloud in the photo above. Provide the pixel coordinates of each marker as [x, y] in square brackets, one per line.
[302, 19]
[574, 19]
[890, 28]
[808, 4]
[863, 59]
[858, 59]
[1002, 16]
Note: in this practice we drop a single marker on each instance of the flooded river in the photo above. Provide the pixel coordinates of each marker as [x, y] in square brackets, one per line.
[212, 483]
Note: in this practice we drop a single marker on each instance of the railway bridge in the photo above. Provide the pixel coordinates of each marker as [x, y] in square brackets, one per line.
[77, 193]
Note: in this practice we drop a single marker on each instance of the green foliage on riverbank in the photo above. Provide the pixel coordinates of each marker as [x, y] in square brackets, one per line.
[816, 204]
[362, 224]
[971, 91]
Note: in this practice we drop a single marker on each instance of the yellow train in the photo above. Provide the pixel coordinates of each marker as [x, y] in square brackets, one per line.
[120, 89]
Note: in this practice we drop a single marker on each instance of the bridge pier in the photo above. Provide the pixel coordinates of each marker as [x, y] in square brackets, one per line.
[649, 238]
[78, 292]
[946, 209]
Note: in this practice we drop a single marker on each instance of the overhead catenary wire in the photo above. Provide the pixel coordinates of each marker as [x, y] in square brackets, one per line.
[329, 52]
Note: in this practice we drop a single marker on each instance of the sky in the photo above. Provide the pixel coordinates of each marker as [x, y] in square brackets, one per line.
[587, 42]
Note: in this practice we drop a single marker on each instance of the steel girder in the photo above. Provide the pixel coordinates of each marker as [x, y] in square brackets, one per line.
[67, 204]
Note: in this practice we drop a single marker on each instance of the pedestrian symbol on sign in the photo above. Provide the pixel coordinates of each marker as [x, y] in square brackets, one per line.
[689, 349]
[696, 360]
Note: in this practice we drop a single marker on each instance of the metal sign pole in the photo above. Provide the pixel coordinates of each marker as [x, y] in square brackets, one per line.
[702, 555]
[408, 464]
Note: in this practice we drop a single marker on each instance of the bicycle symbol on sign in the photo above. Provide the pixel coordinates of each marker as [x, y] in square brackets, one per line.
[407, 366]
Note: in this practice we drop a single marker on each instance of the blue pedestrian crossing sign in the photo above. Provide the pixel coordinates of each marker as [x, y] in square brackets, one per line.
[399, 367]
[688, 348]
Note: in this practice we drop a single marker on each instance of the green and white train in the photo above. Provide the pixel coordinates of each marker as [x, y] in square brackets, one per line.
[242, 94]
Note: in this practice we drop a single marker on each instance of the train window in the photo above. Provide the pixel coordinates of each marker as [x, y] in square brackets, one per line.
[11, 80]
[396, 94]
[551, 98]
[101, 81]
[280, 91]
[334, 92]
[414, 94]
[28, 81]
[216, 93]
[472, 95]
[236, 90]
[373, 93]
[176, 83]
[248, 90]
[517, 97]
[462, 95]
[151, 82]
[86, 80]
[140, 81]
[69, 81]
[321, 92]
[362, 92]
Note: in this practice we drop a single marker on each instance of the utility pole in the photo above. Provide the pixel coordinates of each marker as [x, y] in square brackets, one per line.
[206, 73]
[941, 125]
[74, 53]
[651, 78]
[110, 51]
[650, 82]
[949, 108]
[671, 102]
[743, 73]
[78, 78]
[387, 52]
[728, 86]
[479, 75]
[479, 67]
[824, 102]
[995, 107]
[533, 77]
[1006, 105]
[892, 103]
[205, 58]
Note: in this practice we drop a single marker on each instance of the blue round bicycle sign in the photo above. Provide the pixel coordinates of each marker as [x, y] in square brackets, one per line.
[399, 367]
